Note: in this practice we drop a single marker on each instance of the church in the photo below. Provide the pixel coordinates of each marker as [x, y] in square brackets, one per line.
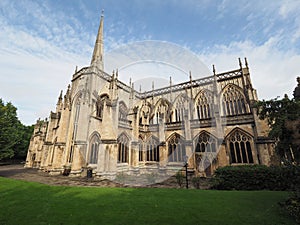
[106, 127]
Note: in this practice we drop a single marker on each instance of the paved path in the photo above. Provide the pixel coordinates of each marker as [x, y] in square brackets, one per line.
[28, 174]
[20, 173]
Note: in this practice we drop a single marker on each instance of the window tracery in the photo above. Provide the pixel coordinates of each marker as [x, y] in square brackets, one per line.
[206, 143]
[233, 101]
[123, 149]
[123, 111]
[176, 149]
[240, 147]
[181, 106]
[204, 105]
[94, 149]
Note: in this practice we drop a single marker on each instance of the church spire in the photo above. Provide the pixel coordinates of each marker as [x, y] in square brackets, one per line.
[97, 59]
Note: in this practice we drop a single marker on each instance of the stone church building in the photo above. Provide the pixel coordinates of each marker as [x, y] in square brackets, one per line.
[108, 127]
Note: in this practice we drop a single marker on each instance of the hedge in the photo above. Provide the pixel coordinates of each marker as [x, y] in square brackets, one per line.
[256, 177]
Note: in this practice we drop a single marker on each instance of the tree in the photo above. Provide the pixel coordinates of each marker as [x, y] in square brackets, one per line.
[14, 136]
[283, 117]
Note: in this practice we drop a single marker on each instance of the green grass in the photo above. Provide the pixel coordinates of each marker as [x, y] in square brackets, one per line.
[32, 203]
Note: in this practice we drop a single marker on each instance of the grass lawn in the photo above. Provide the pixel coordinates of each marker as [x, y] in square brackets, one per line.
[32, 203]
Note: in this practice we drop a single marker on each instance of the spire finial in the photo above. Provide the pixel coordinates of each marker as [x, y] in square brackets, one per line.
[152, 85]
[102, 13]
[190, 72]
[170, 80]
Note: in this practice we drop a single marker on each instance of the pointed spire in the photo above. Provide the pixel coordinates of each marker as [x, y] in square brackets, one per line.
[214, 70]
[246, 62]
[97, 59]
[240, 63]
[60, 97]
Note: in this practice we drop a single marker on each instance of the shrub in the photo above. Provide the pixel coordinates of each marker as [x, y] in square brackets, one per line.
[292, 204]
[196, 181]
[179, 178]
[255, 177]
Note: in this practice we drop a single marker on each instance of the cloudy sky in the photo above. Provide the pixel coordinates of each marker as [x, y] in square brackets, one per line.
[41, 42]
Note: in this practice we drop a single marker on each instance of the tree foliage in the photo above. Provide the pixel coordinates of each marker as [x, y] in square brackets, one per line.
[283, 117]
[14, 136]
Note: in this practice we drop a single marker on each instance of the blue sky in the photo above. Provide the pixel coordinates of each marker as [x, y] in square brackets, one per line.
[41, 42]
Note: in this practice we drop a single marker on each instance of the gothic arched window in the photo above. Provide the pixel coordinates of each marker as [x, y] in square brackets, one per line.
[176, 149]
[152, 149]
[240, 147]
[123, 111]
[204, 105]
[206, 143]
[181, 106]
[161, 112]
[100, 105]
[94, 149]
[233, 101]
[141, 150]
[123, 149]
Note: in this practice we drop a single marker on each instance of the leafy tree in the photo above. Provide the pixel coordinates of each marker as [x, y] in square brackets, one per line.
[14, 136]
[282, 116]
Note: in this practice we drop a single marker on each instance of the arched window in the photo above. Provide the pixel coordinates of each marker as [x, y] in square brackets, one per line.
[100, 105]
[94, 149]
[75, 127]
[233, 101]
[123, 111]
[152, 149]
[161, 112]
[181, 105]
[240, 147]
[141, 150]
[206, 143]
[123, 149]
[204, 105]
[176, 149]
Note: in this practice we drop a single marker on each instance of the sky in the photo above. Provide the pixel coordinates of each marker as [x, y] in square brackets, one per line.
[41, 42]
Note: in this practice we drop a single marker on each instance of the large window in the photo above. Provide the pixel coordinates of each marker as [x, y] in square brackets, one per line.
[123, 149]
[181, 106]
[206, 143]
[94, 149]
[161, 112]
[204, 105]
[240, 148]
[149, 150]
[233, 101]
[176, 149]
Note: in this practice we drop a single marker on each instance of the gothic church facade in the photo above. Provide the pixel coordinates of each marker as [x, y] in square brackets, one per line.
[108, 127]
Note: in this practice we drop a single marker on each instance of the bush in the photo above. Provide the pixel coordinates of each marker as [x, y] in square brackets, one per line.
[256, 177]
[196, 182]
[292, 204]
[179, 178]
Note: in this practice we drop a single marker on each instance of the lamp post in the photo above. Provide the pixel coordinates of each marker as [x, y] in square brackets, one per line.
[186, 172]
